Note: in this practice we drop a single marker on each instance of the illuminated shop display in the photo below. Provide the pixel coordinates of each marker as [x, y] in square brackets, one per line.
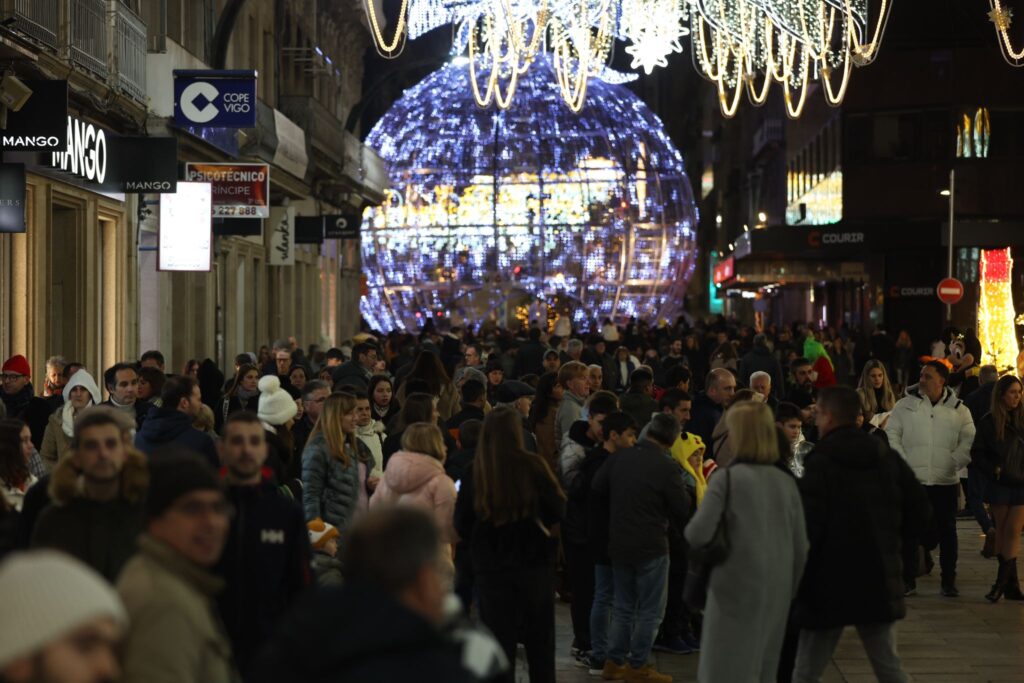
[822, 204]
[996, 330]
[530, 211]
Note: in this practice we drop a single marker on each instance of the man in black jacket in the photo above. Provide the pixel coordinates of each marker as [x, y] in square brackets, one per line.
[266, 561]
[709, 405]
[641, 491]
[861, 501]
[170, 424]
[359, 370]
[122, 382]
[385, 623]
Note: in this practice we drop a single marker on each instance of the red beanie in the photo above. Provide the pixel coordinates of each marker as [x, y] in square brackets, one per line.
[18, 364]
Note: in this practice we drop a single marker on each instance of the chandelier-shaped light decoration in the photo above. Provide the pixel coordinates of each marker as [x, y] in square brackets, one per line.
[531, 212]
[746, 45]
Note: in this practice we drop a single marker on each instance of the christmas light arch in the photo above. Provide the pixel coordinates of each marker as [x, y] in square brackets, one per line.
[532, 211]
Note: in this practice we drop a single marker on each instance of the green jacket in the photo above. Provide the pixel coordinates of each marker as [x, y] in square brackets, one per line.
[175, 634]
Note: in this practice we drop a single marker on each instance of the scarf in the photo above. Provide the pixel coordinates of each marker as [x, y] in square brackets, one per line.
[244, 396]
[67, 419]
[700, 482]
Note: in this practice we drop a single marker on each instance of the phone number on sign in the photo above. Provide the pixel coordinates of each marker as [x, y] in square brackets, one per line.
[241, 211]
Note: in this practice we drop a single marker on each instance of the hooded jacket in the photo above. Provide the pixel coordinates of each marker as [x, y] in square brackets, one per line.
[101, 534]
[860, 501]
[419, 479]
[60, 427]
[358, 634]
[170, 427]
[265, 565]
[935, 440]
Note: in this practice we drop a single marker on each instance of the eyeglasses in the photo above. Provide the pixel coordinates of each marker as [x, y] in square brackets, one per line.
[11, 377]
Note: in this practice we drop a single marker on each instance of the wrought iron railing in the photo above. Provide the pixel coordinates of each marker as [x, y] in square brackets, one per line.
[38, 20]
[128, 66]
[88, 39]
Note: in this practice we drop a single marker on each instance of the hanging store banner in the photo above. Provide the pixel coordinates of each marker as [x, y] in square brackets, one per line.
[185, 240]
[12, 197]
[281, 236]
[309, 229]
[109, 163]
[215, 99]
[41, 123]
[291, 146]
[243, 227]
[239, 190]
[343, 226]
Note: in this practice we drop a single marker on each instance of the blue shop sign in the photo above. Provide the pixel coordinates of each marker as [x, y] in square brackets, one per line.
[215, 99]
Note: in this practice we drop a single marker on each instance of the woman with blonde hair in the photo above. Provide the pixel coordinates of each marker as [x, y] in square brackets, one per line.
[336, 482]
[508, 502]
[875, 390]
[415, 475]
[749, 594]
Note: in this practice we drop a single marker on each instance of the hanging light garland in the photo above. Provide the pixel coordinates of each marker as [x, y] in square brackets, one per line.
[1002, 18]
[742, 46]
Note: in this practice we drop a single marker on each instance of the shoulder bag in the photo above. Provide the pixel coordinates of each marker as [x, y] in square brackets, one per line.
[701, 561]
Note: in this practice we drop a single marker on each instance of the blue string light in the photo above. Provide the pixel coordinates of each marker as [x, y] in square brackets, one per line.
[496, 213]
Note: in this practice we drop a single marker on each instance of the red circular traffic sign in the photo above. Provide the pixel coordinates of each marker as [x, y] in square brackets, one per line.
[950, 291]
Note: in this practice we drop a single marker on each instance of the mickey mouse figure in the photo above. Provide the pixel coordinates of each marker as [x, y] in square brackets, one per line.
[964, 353]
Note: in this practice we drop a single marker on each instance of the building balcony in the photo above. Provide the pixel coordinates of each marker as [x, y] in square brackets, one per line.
[102, 37]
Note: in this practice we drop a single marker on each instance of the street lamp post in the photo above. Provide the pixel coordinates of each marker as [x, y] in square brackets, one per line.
[949, 262]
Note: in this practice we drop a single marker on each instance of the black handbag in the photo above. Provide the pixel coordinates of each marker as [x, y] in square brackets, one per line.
[701, 561]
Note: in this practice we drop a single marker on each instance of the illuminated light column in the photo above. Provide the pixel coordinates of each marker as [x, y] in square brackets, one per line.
[996, 330]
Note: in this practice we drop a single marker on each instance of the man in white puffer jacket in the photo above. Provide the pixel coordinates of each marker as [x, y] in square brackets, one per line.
[933, 431]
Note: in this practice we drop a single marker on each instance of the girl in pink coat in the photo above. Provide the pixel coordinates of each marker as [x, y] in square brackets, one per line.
[415, 476]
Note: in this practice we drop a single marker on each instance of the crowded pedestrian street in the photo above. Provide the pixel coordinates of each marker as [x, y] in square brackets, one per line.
[511, 341]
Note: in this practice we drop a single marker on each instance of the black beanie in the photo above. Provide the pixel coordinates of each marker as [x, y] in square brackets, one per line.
[174, 473]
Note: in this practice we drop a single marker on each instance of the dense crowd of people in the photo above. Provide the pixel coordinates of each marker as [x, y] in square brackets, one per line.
[410, 507]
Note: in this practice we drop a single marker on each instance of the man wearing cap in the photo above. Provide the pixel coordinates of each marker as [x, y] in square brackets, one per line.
[61, 622]
[96, 494]
[168, 587]
[171, 423]
[519, 395]
[19, 398]
[266, 561]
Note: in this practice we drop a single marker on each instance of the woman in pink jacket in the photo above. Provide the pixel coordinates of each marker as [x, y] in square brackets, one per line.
[415, 476]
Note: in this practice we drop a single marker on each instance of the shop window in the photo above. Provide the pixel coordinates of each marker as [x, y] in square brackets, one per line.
[967, 262]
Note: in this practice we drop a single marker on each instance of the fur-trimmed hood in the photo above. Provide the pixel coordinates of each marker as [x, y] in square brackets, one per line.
[65, 483]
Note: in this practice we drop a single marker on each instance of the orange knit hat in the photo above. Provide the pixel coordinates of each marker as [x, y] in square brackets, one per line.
[320, 532]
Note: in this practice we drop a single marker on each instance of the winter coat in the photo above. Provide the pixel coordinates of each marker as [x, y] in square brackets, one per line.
[165, 427]
[760, 359]
[352, 373]
[860, 501]
[574, 449]
[358, 634]
[175, 634]
[265, 566]
[330, 488]
[979, 402]
[372, 436]
[704, 418]
[102, 534]
[988, 452]
[640, 491]
[326, 570]
[56, 443]
[569, 410]
[750, 593]
[544, 430]
[30, 409]
[524, 544]
[576, 527]
[419, 479]
[233, 404]
[935, 440]
[638, 406]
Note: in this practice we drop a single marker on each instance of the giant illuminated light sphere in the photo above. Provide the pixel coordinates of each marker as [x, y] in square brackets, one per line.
[529, 213]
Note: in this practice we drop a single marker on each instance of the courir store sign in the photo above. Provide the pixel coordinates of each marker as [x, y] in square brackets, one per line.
[118, 164]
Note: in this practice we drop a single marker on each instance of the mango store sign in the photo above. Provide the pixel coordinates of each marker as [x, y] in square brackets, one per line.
[86, 153]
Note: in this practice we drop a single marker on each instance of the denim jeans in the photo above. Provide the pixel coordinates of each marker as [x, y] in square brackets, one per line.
[639, 605]
[817, 646]
[601, 610]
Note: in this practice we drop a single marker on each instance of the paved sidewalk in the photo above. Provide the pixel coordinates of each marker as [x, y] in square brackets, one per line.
[942, 640]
